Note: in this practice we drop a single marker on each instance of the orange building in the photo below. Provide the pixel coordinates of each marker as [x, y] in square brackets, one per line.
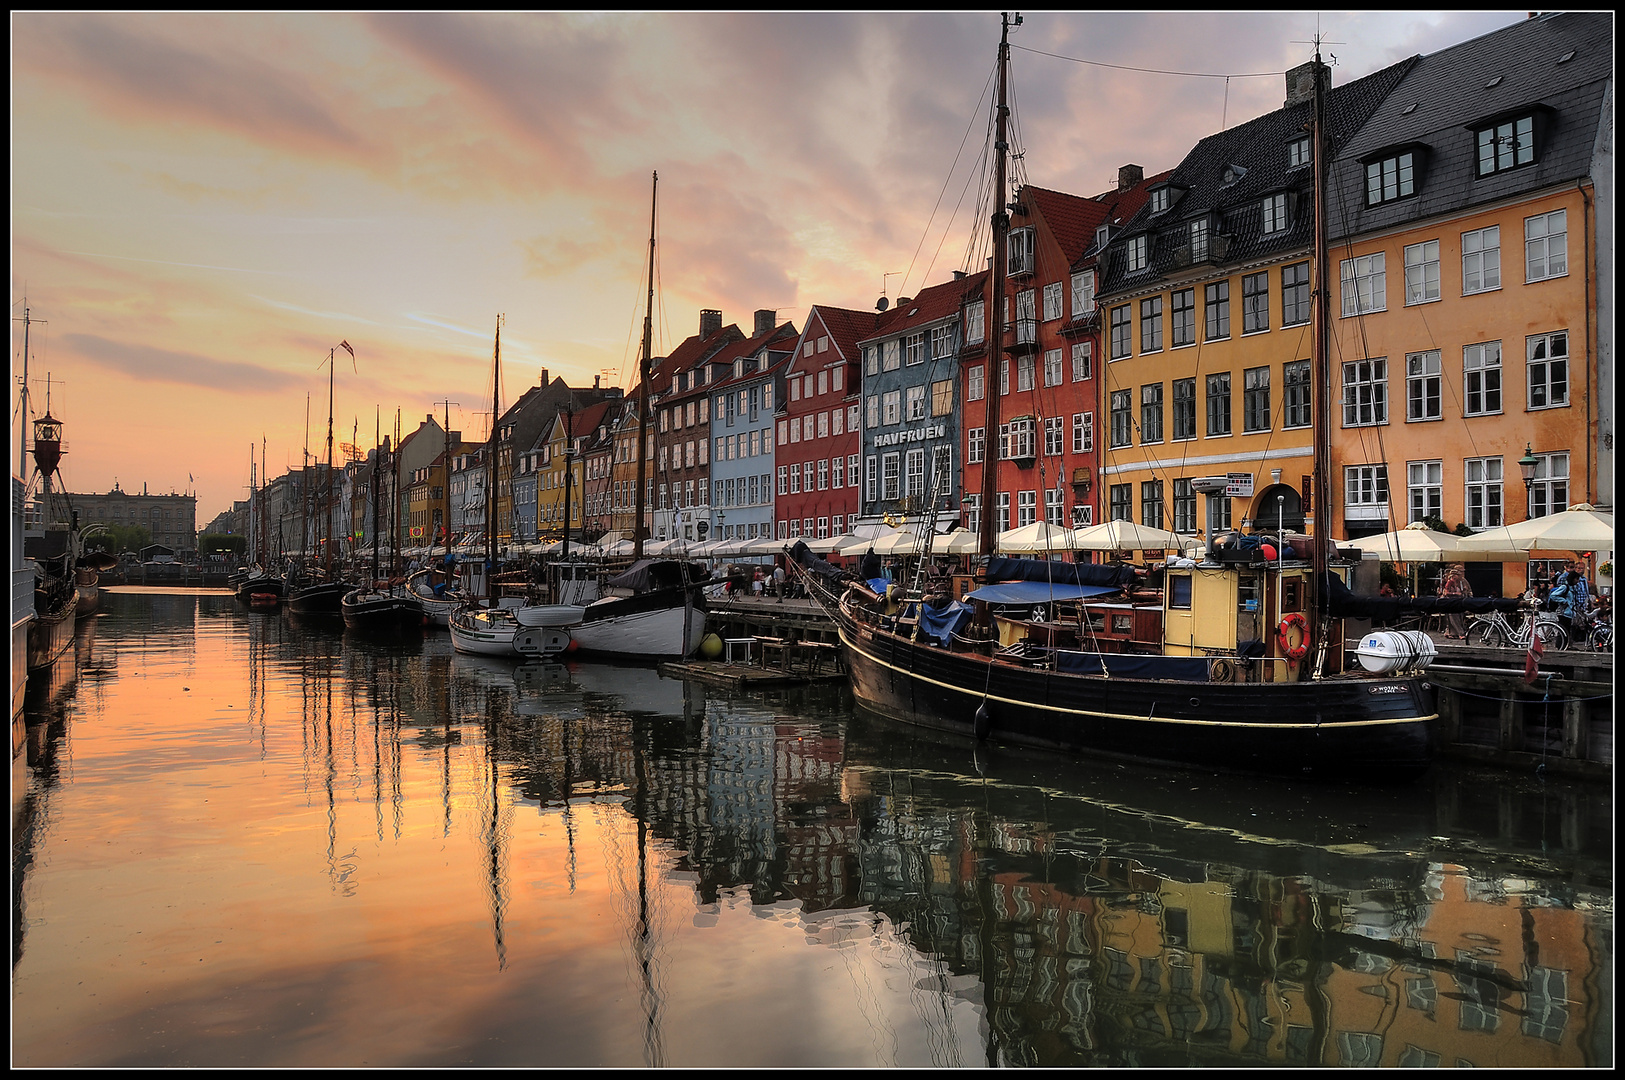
[1465, 260]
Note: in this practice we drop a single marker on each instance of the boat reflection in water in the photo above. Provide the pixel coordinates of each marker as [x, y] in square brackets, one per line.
[458, 860]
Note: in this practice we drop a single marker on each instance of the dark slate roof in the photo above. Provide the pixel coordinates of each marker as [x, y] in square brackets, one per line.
[780, 342]
[1259, 148]
[1446, 91]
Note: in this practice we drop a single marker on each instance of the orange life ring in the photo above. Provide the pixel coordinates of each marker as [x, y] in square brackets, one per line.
[1290, 650]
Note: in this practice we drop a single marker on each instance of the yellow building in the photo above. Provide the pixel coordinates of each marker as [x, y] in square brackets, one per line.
[550, 483]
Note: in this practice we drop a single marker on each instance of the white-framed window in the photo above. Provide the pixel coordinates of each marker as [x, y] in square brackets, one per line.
[915, 476]
[890, 475]
[1161, 199]
[1365, 284]
[1052, 301]
[1136, 252]
[973, 320]
[1424, 484]
[1548, 370]
[1481, 378]
[1004, 376]
[914, 349]
[1083, 359]
[1083, 514]
[1026, 508]
[891, 407]
[823, 527]
[1481, 260]
[795, 479]
[976, 445]
[1549, 490]
[823, 474]
[892, 355]
[871, 478]
[836, 416]
[1422, 272]
[1054, 435]
[1365, 392]
[807, 476]
[1298, 152]
[1484, 492]
[1019, 438]
[837, 374]
[1019, 244]
[942, 342]
[1198, 239]
[1546, 245]
[851, 470]
[1275, 214]
[1424, 386]
[974, 378]
[1083, 294]
[916, 403]
[972, 505]
[1054, 369]
[1055, 506]
[1365, 492]
[1083, 432]
[1026, 373]
[837, 472]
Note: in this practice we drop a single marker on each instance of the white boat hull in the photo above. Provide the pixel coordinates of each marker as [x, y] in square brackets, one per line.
[550, 614]
[668, 632]
[483, 633]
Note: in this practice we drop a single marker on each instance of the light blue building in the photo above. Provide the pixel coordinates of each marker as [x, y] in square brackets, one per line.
[743, 402]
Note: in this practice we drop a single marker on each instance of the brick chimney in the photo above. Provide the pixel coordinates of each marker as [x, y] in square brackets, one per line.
[543, 380]
[766, 320]
[1128, 176]
[710, 322]
[1300, 83]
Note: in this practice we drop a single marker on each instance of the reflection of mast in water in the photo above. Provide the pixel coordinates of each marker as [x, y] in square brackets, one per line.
[569, 790]
[495, 832]
[643, 939]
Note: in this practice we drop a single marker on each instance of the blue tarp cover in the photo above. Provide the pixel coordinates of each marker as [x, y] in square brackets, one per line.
[1035, 592]
[944, 622]
[1127, 666]
[878, 585]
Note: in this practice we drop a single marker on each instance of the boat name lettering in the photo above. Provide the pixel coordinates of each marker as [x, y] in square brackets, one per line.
[919, 434]
[1400, 689]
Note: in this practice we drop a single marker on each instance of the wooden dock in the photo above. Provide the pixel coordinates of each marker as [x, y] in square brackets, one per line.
[745, 676]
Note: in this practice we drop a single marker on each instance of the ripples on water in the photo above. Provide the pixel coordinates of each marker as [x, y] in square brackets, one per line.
[249, 842]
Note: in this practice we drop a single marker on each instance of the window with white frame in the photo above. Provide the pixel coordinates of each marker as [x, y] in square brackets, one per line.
[795, 479]
[1295, 394]
[1481, 378]
[974, 320]
[823, 425]
[807, 470]
[1026, 508]
[852, 470]
[837, 472]
[942, 468]
[916, 403]
[1083, 294]
[1083, 355]
[972, 505]
[1549, 370]
[835, 418]
[1198, 239]
[1122, 330]
[942, 343]
[914, 349]
[1055, 506]
[1160, 200]
[1026, 373]
[1365, 284]
[1004, 511]
[973, 383]
[1054, 368]
[1020, 438]
[1546, 245]
[890, 475]
[1019, 244]
[1423, 386]
[1184, 506]
[1275, 214]
[1151, 413]
[1052, 301]
[892, 355]
[1004, 376]
[1255, 303]
[891, 407]
[871, 408]
[976, 445]
[1054, 435]
[1422, 272]
[1298, 152]
[1424, 483]
[1549, 490]
[1481, 260]
[1136, 254]
[1365, 392]
[1083, 432]
[1122, 418]
[871, 483]
[823, 474]
[1151, 324]
[1365, 492]
[1484, 492]
[915, 473]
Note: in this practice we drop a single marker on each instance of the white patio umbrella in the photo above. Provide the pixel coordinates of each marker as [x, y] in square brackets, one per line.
[1418, 543]
[1581, 527]
[1128, 536]
[901, 542]
[837, 545]
[764, 545]
[1036, 538]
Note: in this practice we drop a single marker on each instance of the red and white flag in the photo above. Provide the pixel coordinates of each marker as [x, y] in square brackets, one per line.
[1537, 649]
[345, 345]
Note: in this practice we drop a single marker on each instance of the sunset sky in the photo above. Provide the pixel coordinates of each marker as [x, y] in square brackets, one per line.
[203, 205]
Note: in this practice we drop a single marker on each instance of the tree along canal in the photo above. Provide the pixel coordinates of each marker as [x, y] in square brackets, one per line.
[244, 841]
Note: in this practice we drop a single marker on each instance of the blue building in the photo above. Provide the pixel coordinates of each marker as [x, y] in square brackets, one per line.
[747, 390]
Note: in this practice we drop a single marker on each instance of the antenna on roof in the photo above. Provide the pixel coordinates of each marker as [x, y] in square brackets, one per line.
[882, 304]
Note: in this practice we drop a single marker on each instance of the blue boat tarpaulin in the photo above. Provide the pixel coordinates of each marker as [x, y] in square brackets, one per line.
[1036, 592]
[943, 623]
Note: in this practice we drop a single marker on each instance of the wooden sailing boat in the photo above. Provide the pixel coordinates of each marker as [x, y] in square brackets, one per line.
[324, 596]
[1164, 694]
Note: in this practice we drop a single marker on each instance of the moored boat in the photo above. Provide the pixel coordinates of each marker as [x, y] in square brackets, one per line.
[386, 608]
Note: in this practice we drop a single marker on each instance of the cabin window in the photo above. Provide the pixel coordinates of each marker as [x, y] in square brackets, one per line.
[1292, 594]
[1179, 591]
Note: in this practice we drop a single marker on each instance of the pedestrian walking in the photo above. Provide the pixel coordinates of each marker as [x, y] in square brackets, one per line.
[1454, 585]
[778, 582]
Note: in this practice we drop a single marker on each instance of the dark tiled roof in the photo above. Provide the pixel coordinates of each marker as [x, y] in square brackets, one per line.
[1254, 154]
[1444, 92]
[932, 305]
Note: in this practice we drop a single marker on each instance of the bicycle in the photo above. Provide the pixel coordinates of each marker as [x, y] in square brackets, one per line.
[1493, 631]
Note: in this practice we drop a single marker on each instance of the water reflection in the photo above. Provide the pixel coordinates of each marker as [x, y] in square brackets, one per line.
[469, 861]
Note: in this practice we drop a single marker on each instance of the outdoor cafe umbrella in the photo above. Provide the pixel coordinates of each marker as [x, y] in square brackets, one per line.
[838, 545]
[901, 542]
[1418, 543]
[1040, 536]
[1581, 527]
[1127, 536]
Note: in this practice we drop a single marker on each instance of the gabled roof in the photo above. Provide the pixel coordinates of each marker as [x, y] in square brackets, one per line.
[693, 351]
[1071, 219]
[932, 305]
[1227, 176]
[1516, 69]
[845, 327]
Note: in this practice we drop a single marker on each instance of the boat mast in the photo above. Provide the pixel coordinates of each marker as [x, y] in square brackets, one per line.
[491, 471]
[638, 530]
[1320, 493]
[445, 474]
[569, 474]
[328, 554]
[993, 319]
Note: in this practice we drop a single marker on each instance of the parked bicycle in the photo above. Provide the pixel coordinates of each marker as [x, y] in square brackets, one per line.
[1599, 630]
[1493, 630]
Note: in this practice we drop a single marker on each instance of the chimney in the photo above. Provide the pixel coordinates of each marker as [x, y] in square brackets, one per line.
[766, 320]
[1128, 176]
[595, 382]
[543, 380]
[1300, 83]
[710, 322]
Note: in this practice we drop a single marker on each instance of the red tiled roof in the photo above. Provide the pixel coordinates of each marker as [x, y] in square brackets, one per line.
[1072, 219]
[932, 304]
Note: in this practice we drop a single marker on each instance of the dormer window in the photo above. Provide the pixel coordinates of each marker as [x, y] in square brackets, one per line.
[1137, 253]
[1390, 178]
[1198, 235]
[1505, 145]
[1298, 152]
[1020, 247]
[1103, 235]
[1232, 173]
[1161, 199]
[1277, 214]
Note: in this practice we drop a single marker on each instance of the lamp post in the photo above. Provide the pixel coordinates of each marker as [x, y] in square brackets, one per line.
[1527, 465]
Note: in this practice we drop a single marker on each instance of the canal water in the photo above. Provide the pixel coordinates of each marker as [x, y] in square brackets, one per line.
[243, 841]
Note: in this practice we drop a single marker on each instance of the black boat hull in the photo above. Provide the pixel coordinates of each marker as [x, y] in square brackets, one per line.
[324, 599]
[50, 632]
[1370, 729]
[383, 614]
[260, 586]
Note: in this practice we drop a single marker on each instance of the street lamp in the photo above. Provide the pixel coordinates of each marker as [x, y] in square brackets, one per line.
[1527, 465]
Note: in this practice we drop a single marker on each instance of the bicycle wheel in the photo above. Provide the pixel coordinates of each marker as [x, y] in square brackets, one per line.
[1552, 635]
[1488, 635]
[1602, 638]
